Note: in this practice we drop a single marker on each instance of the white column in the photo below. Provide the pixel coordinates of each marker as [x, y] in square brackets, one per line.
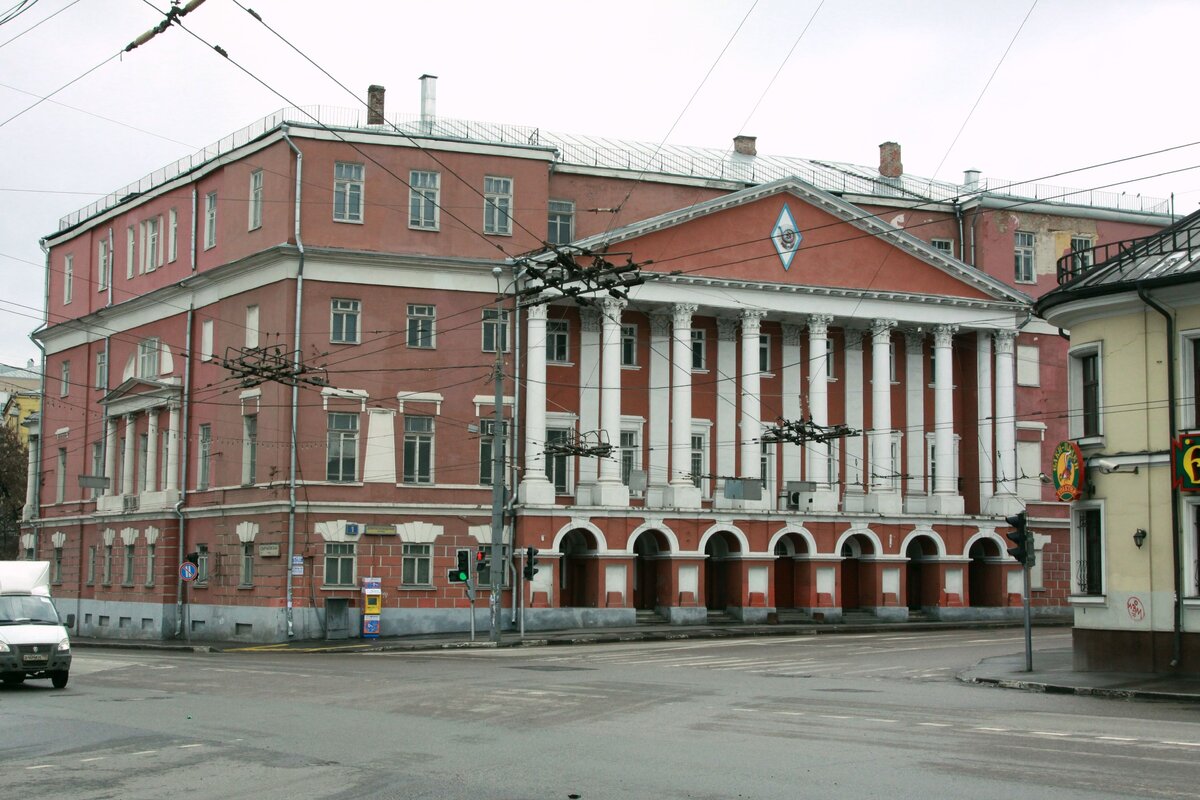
[983, 371]
[816, 469]
[1006, 424]
[683, 493]
[659, 430]
[726, 433]
[793, 456]
[110, 455]
[31, 477]
[853, 498]
[914, 420]
[750, 427]
[589, 397]
[610, 491]
[883, 467]
[535, 487]
[946, 499]
[151, 450]
[127, 472]
[172, 478]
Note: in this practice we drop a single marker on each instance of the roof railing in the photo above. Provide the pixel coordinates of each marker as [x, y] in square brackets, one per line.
[1180, 238]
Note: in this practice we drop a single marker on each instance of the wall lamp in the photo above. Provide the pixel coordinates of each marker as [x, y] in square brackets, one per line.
[1108, 466]
[1139, 537]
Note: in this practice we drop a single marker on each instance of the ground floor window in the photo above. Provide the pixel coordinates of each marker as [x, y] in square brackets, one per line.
[247, 578]
[417, 565]
[1089, 552]
[339, 564]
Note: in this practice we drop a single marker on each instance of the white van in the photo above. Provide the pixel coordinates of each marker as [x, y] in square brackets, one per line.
[33, 641]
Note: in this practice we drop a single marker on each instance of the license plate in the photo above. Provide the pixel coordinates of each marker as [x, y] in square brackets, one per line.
[37, 658]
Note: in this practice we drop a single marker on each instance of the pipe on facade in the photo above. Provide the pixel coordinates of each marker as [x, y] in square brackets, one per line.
[184, 419]
[289, 615]
[962, 242]
[35, 519]
[195, 206]
[1172, 422]
[108, 276]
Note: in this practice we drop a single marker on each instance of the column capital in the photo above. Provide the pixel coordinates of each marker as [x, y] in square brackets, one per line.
[818, 324]
[943, 334]
[1005, 340]
[791, 335]
[612, 307]
[727, 329]
[914, 342]
[660, 324]
[752, 321]
[881, 330]
[589, 320]
[681, 314]
[537, 311]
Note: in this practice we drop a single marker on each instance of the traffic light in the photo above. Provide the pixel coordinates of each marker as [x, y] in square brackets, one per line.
[462, 571]
[1020, 537]
[530, 563]
[483, 561]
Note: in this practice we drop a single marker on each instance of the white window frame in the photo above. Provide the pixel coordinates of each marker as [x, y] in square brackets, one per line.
[419, 447]
[152, 251]
[249, 449]
[204, 457]
[560, 214]
[206, 340]
[150, 558]
[424, 200]
[68, 278]
[130, 251]
[344, 437]
[492, 328]
[252, 325]
[497, 205]
[930, 461]
[1024, 257]
[830, 359]
[346, 308]
[699, 350]
[202, 572]
[629, 345]
[1189, 405]
[1029, 365]
[1191, 549]
[943, 246]
[416, 561]
[172, 235]
[554, 432]
[892, 375]
[64, 379]
[349, 191]
[422, 321]
[60, 480]
[336, 553]
[1082, 257]
[630, 452]
[246, 573]
[210, 220]
[256, 200]
[149, 363]
[558, 341]
[102, 251]
[1075, 415]
[764, 353]
[702, 432]
[128, 568]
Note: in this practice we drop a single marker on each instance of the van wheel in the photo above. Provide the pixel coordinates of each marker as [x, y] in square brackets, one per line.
[59, 678]
[14, 678]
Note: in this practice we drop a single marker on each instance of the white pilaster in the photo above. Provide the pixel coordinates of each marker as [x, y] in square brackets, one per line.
[535, 488]
[151, 450]
[1005, 500]
[885, 490]
[946, 499]
[824, 498]
[750, 426]
[609, 490]
[127, 472]
[172, 450]
[31, 477]
[914, 421]
[793, 456]
[727, 408]
[987, 451]
[853, 498]
[683, 494]
[589, 397]
[110, 455]
[379, 460]
[659, 431]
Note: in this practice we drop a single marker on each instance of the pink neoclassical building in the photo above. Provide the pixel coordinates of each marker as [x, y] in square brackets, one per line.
[364, 252]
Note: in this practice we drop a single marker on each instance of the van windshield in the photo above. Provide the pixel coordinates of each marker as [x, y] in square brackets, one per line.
[17, 609]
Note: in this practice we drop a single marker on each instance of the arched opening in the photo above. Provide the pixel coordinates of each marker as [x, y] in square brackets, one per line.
[921, 580]
[578, 584]
[851, 577]
[985, 575]
[719, 577]
[650, 547]
[786, 583]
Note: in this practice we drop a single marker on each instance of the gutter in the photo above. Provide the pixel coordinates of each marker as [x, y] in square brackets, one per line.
[1176, 543]
[184, 422]
[291, 547]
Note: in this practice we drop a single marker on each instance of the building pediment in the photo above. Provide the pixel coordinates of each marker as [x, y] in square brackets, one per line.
[141, 394]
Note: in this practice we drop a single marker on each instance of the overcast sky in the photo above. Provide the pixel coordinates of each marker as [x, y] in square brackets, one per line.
[1084, 82]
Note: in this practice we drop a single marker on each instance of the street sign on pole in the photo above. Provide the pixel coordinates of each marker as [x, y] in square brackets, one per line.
[188, 571]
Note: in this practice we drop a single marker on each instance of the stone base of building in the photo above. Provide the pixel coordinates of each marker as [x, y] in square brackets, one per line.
[1133, 651]
[755, 615]
[826, 614]
[683, 615]
[969, 613]
[890, 613]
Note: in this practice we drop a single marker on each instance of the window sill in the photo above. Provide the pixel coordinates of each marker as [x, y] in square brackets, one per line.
[633, 367]
[425, 228]
[127, 585]
[343, 588]
[334, 341]
[497, 233]
[417, 587]
[349, 221]
[242, 587]
[560, 363]
[1088, 600]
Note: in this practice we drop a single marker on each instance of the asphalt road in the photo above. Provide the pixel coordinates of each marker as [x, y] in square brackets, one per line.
[863, 716]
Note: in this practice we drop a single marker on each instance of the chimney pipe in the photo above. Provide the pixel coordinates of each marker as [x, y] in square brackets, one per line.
[745, 145]
[428, 98]
[375, 104]
[889, 160]
[971, 178]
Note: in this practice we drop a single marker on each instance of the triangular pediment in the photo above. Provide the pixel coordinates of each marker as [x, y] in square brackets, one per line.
[789, 232]
[139, 394]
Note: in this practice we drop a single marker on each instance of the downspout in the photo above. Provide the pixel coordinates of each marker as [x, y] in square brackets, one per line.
[291, 547]
[195, 207]
[974, 222]
[1176, 544]
[35, 519]
[962, 243]
[184, 421]
[108, 276]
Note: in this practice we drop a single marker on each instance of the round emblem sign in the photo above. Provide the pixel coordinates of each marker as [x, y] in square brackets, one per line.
[1067, 468]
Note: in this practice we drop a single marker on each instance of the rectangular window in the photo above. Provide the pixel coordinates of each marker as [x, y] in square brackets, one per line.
[150, 245]
[204, 456]
[830, 362]
[107, 570]
[127, 571]
[418, 449]
[1028, 366]
[629, 345]
[339, 564]
[417, 565]
[149, 565]
[631, 455]
[1082, 256]
[249, 449]
[102, 265]
[64, 379]
[247, 576]
[495, 330]
[344, 321]
[91, 565]
[557, 340]
[421, 323]
[143, 442]
[97, 464]
[766, 466]
[347, 192]
[210, 220]
[342, 447]
[206, 340]
[60, 489]
[57, 565]
[497, 205]
[697, 462]
[201, 563]
[945, 246]
[562, 222]
[102, 369]
[1023, 258]
[68, 278]
[256, 199]
[486, 440]
[558, 465]
[892, 362]
[1089, 552]
[423, 200]
[172, 235]
[252, 326]
[148, 358]
[130, 251]
[698, 353]
[1089, 365]
[764, 352]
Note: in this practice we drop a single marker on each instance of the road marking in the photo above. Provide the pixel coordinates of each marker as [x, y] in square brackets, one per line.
[185, 746]
[41, 766]
[86, 760]
[791, 713]
[1048, 733]
[1115, 739]
[143, 753]
[993, 730]
[934, 724]
[1183, 744]
[879, 719]
[834, 716]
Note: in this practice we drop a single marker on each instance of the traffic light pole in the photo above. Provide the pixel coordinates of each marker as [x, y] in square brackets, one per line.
[1028, 621]
[501, 339]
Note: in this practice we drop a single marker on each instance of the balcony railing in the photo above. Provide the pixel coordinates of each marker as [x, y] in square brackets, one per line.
[1173, 240]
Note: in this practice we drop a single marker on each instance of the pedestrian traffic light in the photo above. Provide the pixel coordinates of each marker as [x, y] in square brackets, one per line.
[530, 563]
[483, 560]
[462, 570]
[1020, 537]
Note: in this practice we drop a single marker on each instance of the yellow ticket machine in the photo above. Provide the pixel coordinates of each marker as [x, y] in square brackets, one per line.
[372, 590]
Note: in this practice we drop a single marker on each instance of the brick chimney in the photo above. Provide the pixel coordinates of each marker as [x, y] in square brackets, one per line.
[375, 105]
[745, 145]
[889, 160]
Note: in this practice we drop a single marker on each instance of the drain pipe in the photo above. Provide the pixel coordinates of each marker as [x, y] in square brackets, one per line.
[195, 222]
[1176, 544]
[108, 276]
[962, 243]
[291, 626]
[184, 420]
[36, 500]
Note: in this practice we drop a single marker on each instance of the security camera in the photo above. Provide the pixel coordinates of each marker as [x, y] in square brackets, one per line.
[1105, 465]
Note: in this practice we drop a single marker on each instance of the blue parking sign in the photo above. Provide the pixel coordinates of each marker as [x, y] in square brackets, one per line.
[187, 571]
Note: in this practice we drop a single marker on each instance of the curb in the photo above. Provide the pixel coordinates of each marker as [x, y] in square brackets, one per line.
[1080, 691]
[124, 645]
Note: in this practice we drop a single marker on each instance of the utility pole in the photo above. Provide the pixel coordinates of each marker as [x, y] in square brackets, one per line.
[501, 340]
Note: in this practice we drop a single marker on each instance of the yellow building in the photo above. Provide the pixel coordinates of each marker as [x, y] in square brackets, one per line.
[20, 398]
[1133, 313]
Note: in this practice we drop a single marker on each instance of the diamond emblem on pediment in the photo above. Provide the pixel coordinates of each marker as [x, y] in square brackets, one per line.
[786, 237]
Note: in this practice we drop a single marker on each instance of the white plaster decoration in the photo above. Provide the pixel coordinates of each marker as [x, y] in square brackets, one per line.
[58, 539]
[727, 329]
[246, 531]
[172, 478]
[379, 460]
[485, 404]
[434, 398]
[852, 499]
[610, 491]
[418, 532]
[751, 401]
[535, 488]
[584, 524]
[954, 581]
[27, 540]
[1014, 581]
[793, 456]
[816, 454]
[689, 579]
[683, 493]
[589, 397]
[129, 536]
[882, 467]
[127, 472]
[727, 410]
[891, 580]
[614, 579]
[983, 367]
[332, 392]
[1006, 417]
[166, 361]
[152, 533]
[107, 536]
[659, 432]
[826, 580]
[335, 531]
[110, 455]
[757, 580]
[914, 422]
[946, 499]
[151, 450]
